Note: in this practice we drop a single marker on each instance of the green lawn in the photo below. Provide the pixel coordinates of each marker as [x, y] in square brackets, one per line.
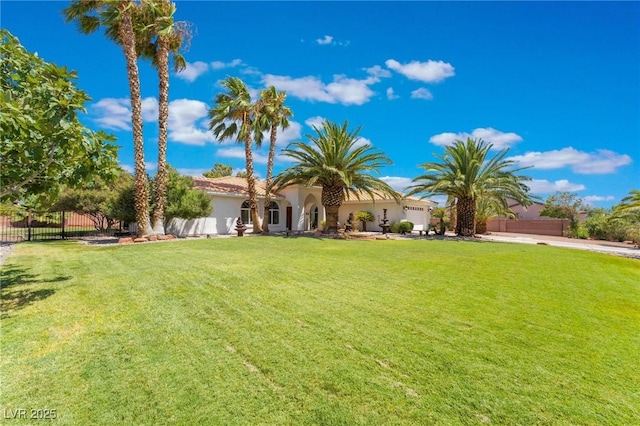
[270, 330]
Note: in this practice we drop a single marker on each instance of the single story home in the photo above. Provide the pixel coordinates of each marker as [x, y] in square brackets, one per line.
[295, 208]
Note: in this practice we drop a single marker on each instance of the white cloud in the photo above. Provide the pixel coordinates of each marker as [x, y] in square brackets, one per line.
[193, 71]
[602, 161]
[115, 113]
[500, 140]
[325, 40]
[238, 152]
[396, 182]
[315, 121]
[218, 65]
[284, 136]
[391, 95]
[150, 109]
[343, 90]
[422, 93]
[543, 186]
[591, 199]
[187, 122]
[429, 72]
[330, 40]
[360, 141]
[149, 166]
[378, 72]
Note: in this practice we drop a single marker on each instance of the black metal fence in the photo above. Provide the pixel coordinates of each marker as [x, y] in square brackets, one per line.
[33, 226]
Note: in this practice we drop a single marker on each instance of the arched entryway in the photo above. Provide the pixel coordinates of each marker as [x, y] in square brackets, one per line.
[312, 213]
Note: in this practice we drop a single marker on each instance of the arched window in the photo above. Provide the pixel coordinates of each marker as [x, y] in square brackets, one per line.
[274, 213]
[245, 213]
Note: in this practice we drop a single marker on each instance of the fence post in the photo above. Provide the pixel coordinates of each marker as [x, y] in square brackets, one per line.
[62, 219]
[29, 226]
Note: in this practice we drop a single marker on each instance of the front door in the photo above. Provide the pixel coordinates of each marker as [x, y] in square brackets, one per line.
[289, 217]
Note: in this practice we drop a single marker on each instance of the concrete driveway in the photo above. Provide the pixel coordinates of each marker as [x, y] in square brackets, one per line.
[610, 247]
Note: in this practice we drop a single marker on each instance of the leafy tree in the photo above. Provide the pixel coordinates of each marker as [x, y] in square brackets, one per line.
[333, 161]
[271, 114]
[42, 142]
[183, 200]
[465, 173]
[158, 37]
[234, 117]
[218, 170]
[564, 205]
[364, 216]
[242, 174]
[116, 17]
[99, 200]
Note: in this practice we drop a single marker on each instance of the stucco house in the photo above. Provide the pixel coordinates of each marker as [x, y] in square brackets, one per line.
[295, 208]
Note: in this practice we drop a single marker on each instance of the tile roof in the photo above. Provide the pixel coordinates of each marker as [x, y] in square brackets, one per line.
[230, 185]
[238, 186]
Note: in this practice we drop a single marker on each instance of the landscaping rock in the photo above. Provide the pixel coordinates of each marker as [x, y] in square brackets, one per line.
[140, 240]
[164, 237]
[126, 240]
[152, 238]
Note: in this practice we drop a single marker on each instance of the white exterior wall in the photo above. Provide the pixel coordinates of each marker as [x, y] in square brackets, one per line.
[222, 220]
[226, 210]
[395, 213]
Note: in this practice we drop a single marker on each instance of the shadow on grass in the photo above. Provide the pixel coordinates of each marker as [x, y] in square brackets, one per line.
[14, 298]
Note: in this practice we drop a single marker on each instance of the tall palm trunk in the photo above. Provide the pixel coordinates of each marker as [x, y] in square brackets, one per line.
[163, 123]
[331, 201]
[267, 198]
[466, 212]
[251, 181]
[125, 30]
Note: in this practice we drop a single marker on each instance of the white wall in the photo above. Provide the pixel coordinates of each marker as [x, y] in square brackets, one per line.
[222, 220]
[395, 213]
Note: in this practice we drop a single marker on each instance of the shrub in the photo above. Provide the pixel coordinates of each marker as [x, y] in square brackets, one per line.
[401, 227]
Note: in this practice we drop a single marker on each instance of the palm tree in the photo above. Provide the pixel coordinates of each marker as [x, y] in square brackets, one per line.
[271, 114]
[116, 18]
[630, 202]
[158, 37]
[233, 117]
[489, 207]
[465, 174]
[333, 161]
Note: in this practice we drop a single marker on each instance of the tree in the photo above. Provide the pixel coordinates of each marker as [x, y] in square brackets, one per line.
[441, 213]
[333, 161]
[242, 174]
[630, 202]
[158, 38]
[183, 200]
[233, 117]
[464, 174]
[218, 170]
[99, 200]
[116, 17]
[364, 217]
[488, 208]
[564, 205]
[42, 143]
[271, 114]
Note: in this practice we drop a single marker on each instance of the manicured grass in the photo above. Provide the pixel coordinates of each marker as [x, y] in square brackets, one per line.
[270, 330]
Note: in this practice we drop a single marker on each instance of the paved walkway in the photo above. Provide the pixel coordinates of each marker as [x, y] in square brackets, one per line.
[620, 249]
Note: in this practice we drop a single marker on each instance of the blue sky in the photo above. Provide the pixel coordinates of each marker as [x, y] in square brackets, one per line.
[558, 83]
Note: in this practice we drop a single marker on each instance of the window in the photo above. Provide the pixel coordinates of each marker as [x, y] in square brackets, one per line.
[245, 213]
[274, 213]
